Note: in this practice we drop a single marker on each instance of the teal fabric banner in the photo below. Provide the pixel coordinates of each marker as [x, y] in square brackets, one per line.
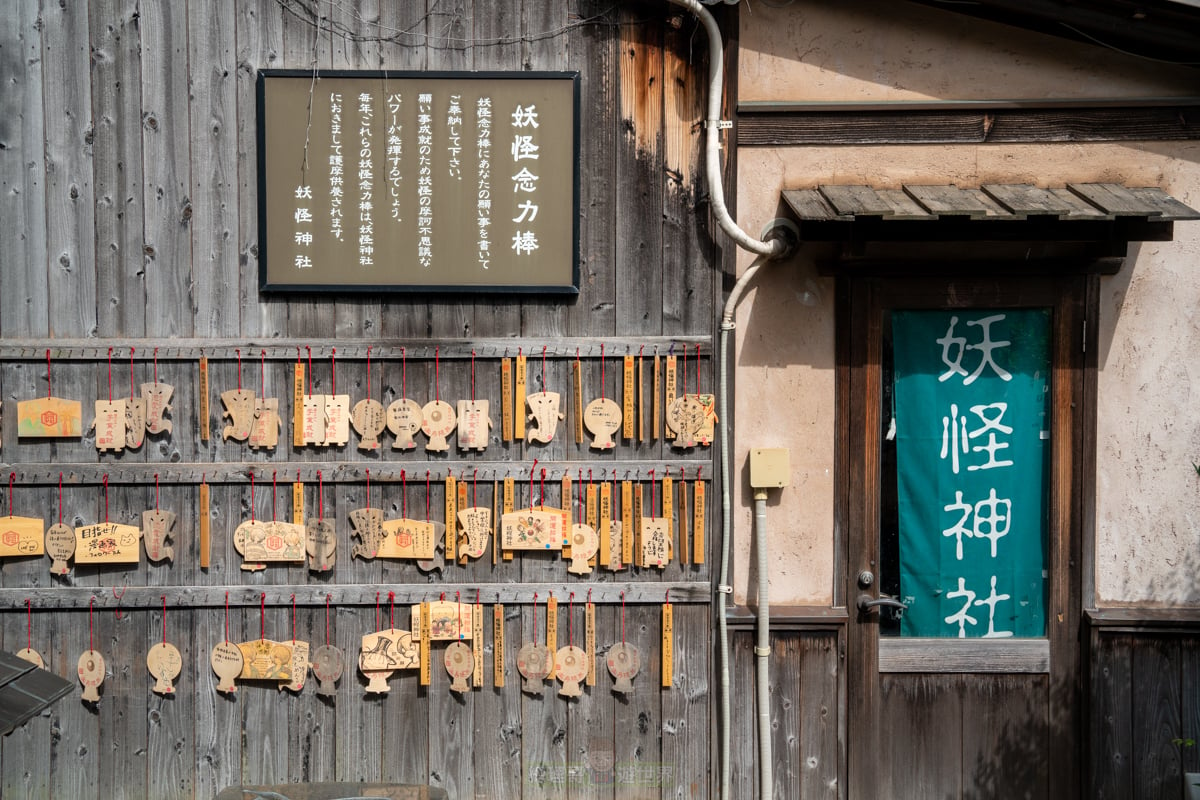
[972, 445]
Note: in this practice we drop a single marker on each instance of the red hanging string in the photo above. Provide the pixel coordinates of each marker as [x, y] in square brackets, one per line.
[377, 611]
[531, 471]
[683, 373]
[110, 374]
[156, 491]
[60, 477]
[328, 598]
[543, 368]
[403, 373]
[12, 477]
[308, 349]
[391, 610]
[475, 488]
[542, 495]
[472, 376]
[437, 374]
[29, 623]
[164, 599]
[622, 618]
[579, 502]
[652, 493]
[535, 619]
[156, 365]
[602, 370]
[368, 370]
[697, 370]
[91, 609]
[252, 497]
[274, 494]
[227, 616]
[403, 495]
[106, 498]
[427, 494]
[239, 360]
[333, 365]
[293, 619]
[262, 373]
[49, 387]
[131, 392]
[571, 620]
[262, 616]
[368, 486]
[458, 612]
[320, 497]
[698, 472]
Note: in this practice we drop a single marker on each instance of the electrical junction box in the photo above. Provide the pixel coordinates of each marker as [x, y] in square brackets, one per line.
[769, 467]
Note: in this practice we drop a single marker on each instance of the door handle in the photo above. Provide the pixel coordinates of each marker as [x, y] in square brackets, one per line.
[866, 603]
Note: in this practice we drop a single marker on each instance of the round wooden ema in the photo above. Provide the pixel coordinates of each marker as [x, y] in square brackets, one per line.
[165, 664]
[460, 663]
[60, 545]
[437, 422]
[226, 661]
[570, 665]
[32, 656]
[91, 674]
[584, 544]
[533, 662]
[624, 661]
[685, 416]
[327, 665]
[403, 420]
[368, 421]
[602, 418]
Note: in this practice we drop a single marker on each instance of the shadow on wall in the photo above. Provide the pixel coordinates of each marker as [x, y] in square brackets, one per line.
[791, 320]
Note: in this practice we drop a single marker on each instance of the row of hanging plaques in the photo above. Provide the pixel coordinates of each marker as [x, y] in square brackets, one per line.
[325, 420]
[383, 653]
[584, 529]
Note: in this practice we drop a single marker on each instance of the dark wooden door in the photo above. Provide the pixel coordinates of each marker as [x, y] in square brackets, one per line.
[943, 718]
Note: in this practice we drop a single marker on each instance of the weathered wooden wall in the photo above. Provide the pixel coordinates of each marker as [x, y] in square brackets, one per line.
[128, 194]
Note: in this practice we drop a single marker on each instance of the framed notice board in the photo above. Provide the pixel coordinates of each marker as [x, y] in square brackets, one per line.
[418, 181]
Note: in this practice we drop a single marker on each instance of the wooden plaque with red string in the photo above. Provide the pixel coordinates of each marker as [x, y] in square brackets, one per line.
[668, 646]
[298, 405]
[205, 527]
[498, 645]
[426, 674]
[627, 531]
[519, 403]
[627, 397]
[107, 543]
[577, 400]
[668, 513]
[451, 510]
[656, 400]
[672, 388]
[568, 502]
[506, 399]
[552, 632]
[698, 522]
[203, 400]
[509, 502]
[685, 553]
[477, 645]
[590, 642]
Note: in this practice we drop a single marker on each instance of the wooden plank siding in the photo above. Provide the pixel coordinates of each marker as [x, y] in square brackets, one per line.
[129, 191]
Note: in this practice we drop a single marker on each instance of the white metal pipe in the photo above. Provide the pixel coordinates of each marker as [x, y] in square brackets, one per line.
[762, 651]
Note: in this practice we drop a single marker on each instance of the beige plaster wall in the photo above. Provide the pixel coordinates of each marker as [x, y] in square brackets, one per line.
[889, 50]
[1147, 537]
[1148, 494]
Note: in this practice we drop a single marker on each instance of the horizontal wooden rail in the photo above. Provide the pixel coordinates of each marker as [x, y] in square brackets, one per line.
[346, 472]
[350, 349]
[605, 592]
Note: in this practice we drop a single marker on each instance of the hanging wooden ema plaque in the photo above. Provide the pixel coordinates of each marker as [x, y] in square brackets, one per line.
[163, 660]
[385, 651]
[544, 410]
[476, 524]
[135, 413]
[109, 422]
[655, 539]
[60, 540]
[157, 397]
[368, 416]
[300, 649]
[437, 416]
[260, 542]
[584, 541]
[107, 542]
[623, 660]
[21, 536]
[458, 659]
[239, 406]
[49, 417]
[534, 661]
[337, 409]
[157, 526]
[267, 425]
[404, 414]
[226, 659]
[90, 667]
[434, 530]
[397, 538]
[368, 527]
[264, 659]
[312, 410]
[27, 653]
[320, 539]
[474, 420]
[570, 662]
[540, 528]
[327, 661]
[602, 417]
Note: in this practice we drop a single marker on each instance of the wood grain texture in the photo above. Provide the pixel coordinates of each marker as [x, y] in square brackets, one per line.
[1005, 749]
[1111, 735]
[1156, 697]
